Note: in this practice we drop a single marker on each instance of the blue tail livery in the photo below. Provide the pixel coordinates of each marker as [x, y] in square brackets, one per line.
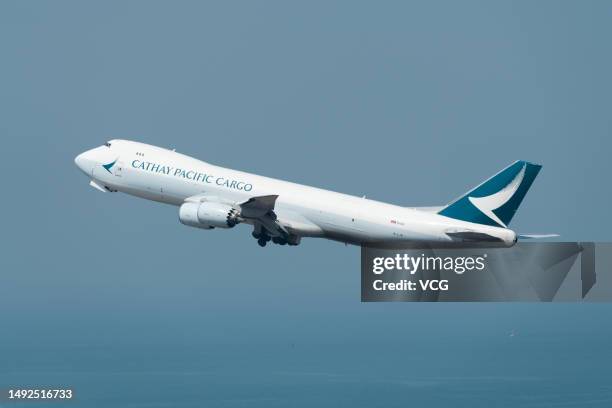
[495, 201]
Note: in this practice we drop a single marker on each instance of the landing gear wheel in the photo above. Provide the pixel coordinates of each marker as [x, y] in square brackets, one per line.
[262, 242]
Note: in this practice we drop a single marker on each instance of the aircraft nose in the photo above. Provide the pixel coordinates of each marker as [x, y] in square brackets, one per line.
[79, 160]
[83, 163]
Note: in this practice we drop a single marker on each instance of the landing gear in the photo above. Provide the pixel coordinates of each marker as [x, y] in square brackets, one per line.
[279, 241]
[262, 237]
[293, 240]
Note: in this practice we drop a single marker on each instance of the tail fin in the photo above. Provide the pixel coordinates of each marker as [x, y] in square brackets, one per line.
[495, 201]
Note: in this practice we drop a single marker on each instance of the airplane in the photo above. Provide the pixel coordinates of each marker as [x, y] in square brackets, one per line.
[210, 196]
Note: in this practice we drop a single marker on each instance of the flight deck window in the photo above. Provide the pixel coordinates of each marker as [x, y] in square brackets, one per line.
[107, 144]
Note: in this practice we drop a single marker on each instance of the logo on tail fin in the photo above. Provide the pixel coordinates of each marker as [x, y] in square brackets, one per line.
[492, 202]
[495, 201]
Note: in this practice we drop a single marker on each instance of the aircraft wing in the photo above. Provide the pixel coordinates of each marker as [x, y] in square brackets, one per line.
[256, 207]
[260, 210]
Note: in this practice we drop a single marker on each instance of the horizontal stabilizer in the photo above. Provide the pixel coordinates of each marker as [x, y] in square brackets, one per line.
[537, 236]
[471, 236]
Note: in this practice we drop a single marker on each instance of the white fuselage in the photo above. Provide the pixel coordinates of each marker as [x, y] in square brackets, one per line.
[166, 176]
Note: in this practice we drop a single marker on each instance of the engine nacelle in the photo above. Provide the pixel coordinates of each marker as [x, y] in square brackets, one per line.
[208, 215]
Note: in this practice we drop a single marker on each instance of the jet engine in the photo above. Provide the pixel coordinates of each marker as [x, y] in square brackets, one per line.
[208, 215]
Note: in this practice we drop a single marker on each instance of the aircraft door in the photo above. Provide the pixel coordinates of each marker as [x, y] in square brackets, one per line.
[119, 169]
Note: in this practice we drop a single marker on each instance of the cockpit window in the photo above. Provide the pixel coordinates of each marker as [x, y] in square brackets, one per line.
[107, 144]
